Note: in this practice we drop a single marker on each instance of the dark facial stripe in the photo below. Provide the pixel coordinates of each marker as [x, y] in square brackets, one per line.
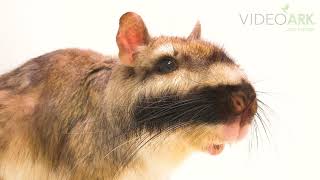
[203, 105]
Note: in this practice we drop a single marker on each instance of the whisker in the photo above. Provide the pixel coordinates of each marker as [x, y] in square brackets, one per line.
[265, 128]
[120, 145]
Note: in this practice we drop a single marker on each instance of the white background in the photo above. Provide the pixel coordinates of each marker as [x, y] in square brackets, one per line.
[282, 63]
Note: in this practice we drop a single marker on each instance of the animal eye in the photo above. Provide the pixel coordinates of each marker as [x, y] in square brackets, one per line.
[166, 65]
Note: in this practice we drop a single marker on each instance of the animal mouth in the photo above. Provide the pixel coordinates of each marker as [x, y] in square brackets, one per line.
[231, 132]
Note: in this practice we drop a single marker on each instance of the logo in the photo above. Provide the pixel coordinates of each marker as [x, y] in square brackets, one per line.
[290, 20]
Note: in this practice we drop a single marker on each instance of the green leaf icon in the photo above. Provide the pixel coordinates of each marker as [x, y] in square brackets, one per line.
[285, 8]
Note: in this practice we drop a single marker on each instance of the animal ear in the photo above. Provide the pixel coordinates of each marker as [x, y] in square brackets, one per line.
[132, 33]
[196, 32]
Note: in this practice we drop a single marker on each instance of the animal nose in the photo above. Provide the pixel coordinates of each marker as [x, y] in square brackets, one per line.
[243, 99]
[239, 102]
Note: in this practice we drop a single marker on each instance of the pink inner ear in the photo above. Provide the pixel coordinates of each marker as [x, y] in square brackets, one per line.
[133, 39]
[128, 42]
[131, 34]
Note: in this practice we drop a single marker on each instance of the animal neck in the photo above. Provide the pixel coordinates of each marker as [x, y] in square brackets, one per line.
[158, 159]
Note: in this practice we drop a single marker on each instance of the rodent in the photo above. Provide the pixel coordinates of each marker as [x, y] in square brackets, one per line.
[77, 114]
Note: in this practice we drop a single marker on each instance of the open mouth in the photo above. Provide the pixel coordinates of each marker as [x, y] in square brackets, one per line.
[229, 133]
[235, 130]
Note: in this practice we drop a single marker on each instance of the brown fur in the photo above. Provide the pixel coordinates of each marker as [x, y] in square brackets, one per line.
[67, 114]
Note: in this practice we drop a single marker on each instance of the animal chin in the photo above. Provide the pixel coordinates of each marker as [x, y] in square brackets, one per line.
[229, 133]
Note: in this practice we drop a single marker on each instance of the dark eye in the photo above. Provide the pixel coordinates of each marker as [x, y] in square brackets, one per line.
[166, 65]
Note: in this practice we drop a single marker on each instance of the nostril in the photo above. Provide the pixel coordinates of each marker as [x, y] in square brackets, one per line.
[238, 102]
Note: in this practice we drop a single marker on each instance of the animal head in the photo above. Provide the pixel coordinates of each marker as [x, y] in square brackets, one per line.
[184, 86]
